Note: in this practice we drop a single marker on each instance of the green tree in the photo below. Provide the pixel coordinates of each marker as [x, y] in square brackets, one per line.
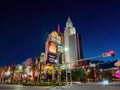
[106, 75]
[79, 74]
[82, 74]
[75, 75]
[91, 74]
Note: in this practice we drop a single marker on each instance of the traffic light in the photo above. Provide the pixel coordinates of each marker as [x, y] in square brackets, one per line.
[112, 53]
[95, 75]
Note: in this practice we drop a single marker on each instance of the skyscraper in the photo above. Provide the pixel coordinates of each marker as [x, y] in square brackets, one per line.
[72, 44]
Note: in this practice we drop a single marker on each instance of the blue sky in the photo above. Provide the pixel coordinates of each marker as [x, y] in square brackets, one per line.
[25, 25]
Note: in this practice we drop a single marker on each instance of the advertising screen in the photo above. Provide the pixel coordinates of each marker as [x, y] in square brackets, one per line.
[60, 49]
[52, 47]
[51, 58]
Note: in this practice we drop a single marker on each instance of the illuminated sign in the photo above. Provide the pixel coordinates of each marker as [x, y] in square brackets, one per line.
[51, 58]
[55, 37]
[49, 67]
[52, 47]
[117, 74]
[60, 49]
[63, 66]
[42, 54]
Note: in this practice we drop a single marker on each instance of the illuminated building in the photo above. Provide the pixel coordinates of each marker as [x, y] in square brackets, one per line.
[73, 45]
[54, 47]
[53, 51]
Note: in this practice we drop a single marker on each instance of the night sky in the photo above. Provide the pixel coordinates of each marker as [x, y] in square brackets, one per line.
[25, 25]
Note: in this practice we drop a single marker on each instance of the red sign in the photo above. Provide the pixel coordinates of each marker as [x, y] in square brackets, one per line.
[106, 54]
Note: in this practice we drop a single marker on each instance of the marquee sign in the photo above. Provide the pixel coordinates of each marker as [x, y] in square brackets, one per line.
[55, 37]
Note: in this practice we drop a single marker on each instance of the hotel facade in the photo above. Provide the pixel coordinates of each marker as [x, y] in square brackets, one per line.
[73, 45]
[64, 48]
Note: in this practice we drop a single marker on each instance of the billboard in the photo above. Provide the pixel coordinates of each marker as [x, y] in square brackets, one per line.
[60, 49]
[51, 58]
[54, 37]
[52, 47]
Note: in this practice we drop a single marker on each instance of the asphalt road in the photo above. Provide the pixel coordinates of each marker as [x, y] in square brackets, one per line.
[93, 86]
[20, 87]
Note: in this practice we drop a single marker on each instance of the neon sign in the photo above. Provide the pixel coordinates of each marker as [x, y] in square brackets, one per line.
[117, 74]
[55, 37]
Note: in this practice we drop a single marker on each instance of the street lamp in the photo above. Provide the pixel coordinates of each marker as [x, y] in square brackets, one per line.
[66, 49]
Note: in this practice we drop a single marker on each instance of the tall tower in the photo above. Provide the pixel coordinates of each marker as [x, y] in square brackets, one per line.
[72, 43]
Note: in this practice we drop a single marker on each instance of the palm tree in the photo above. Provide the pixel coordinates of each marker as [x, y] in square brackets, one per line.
[1, 74]
[13, 68]
[33, 66]
[20, 71]
[41, 67]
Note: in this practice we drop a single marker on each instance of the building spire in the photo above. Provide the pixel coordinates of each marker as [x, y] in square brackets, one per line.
[58, 29]
[69, 22]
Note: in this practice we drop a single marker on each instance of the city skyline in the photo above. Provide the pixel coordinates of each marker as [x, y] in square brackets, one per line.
[25, 26]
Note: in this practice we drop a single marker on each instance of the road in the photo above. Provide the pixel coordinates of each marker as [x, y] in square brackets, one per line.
[92, 86]
[20, 87]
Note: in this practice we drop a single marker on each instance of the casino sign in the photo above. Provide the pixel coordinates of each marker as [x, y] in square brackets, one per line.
[54, 37]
